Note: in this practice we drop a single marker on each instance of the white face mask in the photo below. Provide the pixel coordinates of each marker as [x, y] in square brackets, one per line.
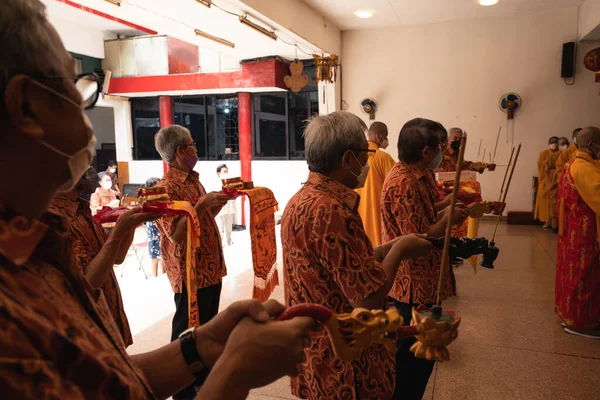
[553, 146]
[224, 175]
[364, 172]
[563, 147]
[435, 163]
[575, 140]
[107, 185]
[113, 170]
[79, 162]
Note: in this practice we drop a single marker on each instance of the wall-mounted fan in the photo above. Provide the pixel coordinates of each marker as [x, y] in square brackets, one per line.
[369, 106]
[510, 103]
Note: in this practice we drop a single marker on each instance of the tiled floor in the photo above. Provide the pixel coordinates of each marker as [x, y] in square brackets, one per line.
[511, 345]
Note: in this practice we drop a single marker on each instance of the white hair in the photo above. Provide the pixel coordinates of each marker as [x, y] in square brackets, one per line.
[28, 46]
[328, 137]
[168, 139]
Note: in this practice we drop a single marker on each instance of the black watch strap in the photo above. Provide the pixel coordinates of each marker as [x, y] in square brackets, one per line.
[190, 351]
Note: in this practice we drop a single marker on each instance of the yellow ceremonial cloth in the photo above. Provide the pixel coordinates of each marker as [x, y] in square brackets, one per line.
[472, 232]
[552, 175]
[370, 196]
[542, 204]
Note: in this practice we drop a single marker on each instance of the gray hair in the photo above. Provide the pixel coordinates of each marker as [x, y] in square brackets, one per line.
[27, 45]
[328, 137]
[168, 139]
[453, 130]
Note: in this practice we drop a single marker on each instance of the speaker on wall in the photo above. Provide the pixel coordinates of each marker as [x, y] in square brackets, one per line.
[568, 60]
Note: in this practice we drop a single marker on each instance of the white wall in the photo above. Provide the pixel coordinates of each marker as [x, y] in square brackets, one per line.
[79, 38]
[456, 72]
[589, 17]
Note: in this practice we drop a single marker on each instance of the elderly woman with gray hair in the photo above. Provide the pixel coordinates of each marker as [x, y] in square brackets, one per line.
[329, 260]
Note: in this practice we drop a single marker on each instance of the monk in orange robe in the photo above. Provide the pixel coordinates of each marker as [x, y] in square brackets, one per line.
[546, 165]
[577, 281]
[370, 195]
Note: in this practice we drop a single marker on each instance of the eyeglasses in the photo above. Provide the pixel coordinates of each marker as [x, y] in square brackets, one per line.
[370, 153]
[190, 144]
[88, 86]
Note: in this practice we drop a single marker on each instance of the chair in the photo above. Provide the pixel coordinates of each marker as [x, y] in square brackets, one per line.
[139, 247]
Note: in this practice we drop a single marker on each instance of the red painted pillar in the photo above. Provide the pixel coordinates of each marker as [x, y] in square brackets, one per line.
[166, 117]
[245, 137]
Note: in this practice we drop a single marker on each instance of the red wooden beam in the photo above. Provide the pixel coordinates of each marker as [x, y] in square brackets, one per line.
[107, 16]
[268, 73]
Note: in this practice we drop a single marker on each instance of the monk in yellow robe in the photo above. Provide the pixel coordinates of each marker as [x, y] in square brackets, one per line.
[546, 167]
[568, 154]
[577, 301]
[370, 195]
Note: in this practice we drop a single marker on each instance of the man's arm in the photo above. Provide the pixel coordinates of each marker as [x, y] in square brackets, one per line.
[111, 252]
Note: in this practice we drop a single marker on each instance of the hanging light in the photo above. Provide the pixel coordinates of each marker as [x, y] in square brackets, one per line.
[488, 2]
[206, 3]
[214, 38]
[270, 34]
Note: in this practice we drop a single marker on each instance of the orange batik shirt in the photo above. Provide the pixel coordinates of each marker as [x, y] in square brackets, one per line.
[408, 206]
[210, 263]
[88, 237]
[329, 260]
[58, 339]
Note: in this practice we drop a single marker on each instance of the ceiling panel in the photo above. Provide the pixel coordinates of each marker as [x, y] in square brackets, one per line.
[412, 12]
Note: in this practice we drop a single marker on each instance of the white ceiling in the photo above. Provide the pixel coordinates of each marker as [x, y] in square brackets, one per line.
[412, 12]
[179, 18]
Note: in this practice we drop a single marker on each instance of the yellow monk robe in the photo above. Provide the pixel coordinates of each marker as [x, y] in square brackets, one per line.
[370, 196]
[542, 211]
[565, 157]
[552, 175]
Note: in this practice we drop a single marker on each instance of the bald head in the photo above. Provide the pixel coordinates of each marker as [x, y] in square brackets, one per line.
[378, 133]
[587, 136]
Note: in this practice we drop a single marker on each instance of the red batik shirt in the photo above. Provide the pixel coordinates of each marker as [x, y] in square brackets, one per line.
[329, 260]
[88, 237]
[58, 339]
[210, 263]
[408, 207]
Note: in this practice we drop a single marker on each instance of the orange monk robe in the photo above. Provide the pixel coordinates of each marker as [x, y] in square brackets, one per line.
[541, 211]
[370, 196]
[552, 176]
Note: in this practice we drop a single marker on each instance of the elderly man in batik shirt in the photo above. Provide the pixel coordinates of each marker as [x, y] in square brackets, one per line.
[95, 251]
[409, 207]
[329, 260]
[176, 147]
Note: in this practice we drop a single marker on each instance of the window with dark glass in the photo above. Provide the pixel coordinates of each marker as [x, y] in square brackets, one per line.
[280, 119]
[228, 142]
[211, 120]
[190, 112]
[145, 116]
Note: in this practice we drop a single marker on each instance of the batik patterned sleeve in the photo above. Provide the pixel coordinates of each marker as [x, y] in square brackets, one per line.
[347, 253]
[408, 208]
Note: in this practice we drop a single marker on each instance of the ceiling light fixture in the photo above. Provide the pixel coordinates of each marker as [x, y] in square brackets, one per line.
[214, 38]
[115, 2]
[271, 34]
[486, 3]
[364, 13]
[206, 3]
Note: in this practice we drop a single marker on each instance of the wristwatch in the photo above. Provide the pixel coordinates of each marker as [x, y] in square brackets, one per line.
[190, 352]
